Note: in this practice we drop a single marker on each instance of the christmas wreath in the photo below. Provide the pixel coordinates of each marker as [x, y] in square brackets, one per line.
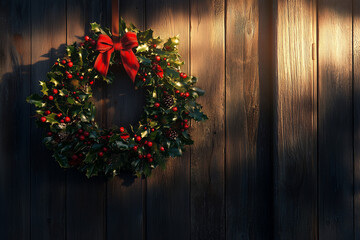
[66, 112]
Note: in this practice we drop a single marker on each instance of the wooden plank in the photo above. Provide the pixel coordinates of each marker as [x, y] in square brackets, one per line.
[125, 193]
[14, 128]
[168, 191]
[207, 156]
[295, 204]
[48, 24]
[85, 198]
[248, 120]
[335, 120]
[356, 92]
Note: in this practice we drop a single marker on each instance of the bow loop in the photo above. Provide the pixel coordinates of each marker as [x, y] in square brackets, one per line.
[106, 46]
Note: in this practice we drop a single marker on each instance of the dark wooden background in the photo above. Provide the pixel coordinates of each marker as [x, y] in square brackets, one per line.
[279, 157]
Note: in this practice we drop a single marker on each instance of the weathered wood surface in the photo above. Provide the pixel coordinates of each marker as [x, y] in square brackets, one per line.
[248, 87]
[207, 43]
[336, 166]
[295, 164]
[14, 126]
[279, 157]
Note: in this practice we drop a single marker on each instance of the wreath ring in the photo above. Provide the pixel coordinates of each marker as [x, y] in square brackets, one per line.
[67, 114]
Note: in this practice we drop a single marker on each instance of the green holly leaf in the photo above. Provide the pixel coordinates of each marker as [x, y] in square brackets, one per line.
[44, 89]
[199, 91]
[51, 118]
[142, 48]
[95, 27]
[198, 115]
[145, 36]
[144, 60]
[36, 100]
[175, 152]
[121, 145]
[122, 27]
[54, 81]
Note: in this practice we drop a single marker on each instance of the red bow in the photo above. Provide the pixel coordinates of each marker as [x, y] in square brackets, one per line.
[106, 47]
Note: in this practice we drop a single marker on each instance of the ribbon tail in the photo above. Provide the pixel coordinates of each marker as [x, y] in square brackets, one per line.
[102, 62]
[130, 63]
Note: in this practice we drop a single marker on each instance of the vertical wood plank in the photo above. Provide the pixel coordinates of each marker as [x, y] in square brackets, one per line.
[48, 24]
[295, 205]
[335, 120]
[207, 157]
[356, 92]
[15, 62]
[125, 193]
[85, 198]
[168, 191]
[248, 120]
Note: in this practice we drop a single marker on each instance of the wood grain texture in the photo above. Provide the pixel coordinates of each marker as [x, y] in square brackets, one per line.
[295, 172]
[15, 62]
[85, 198]
[48, 20]
[356, 92]
[207, 157]
[248, 120]
[168, 192]
[335, 120]
[125, 198]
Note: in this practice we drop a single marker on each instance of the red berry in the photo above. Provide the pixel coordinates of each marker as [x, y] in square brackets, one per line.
[184, 76]
[66, 96]
[69, 76]
[87, 38]
[135, 148]
[91, 82]
[122, 129]
[80, 131]
[93, 42]
[153, 130]
[59, 115]
[154, 46]
[86, 134]
[43, 119]
[67, 119]
[55, 91]
[82, 137]
[105, 149]
[158, 58]
[145, 74]
[140, 156]
[150, 160]
[70, 64]
[81, 78]
[63, 62]
[149, 144]
[138, 138]
[186, 113]
[47, 112]
[181, 74]
[101, 154]
[187, 94]
[185, 121]
[144, 79]
[186, 126]
[162, 149]
[168, 64]
[181, 94]
[51, 98]
[174, 109]
[155, 116]
[164, 58]
[148, 155]
[49, 134]
[62, 120]
[157, 105]
[177, 91]
[56, 63]
[74, 157]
